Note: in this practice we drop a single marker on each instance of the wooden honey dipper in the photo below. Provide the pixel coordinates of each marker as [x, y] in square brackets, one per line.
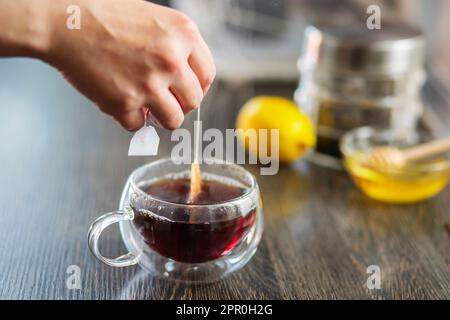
[388, 157]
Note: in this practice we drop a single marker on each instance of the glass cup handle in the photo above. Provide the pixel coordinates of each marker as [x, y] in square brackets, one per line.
[101, 224]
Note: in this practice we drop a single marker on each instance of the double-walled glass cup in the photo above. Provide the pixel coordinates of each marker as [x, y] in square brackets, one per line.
[184, 242]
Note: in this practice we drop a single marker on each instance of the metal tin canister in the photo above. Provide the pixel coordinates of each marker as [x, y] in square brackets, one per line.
[352, 77]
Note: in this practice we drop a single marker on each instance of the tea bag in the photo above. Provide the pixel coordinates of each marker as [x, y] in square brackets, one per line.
[145, 141]
[196, 181]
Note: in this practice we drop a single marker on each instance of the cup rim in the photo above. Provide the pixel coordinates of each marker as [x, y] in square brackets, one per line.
[250, 190]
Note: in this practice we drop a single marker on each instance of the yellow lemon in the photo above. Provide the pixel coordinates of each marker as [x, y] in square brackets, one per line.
[296, 132]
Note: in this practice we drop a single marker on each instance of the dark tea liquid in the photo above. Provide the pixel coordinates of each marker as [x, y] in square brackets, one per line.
[191, 241]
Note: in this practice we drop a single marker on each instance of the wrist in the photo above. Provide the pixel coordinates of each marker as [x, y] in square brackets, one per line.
[46, 22]
[25, 28]
[58, 36]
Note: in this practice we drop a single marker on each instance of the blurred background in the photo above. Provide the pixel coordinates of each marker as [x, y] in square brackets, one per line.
[261, 39]
[344, 80]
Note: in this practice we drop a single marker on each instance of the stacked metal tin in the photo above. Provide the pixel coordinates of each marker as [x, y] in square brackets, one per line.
[353, 77]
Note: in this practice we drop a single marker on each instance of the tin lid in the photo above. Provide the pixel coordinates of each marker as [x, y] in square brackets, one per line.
[393, 49]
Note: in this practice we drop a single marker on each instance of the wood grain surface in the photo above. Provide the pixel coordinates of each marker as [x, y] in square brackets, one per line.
[63, 163]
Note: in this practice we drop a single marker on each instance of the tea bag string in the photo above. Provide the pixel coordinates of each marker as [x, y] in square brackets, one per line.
[146, 117]
[197, 138]
[196, 179]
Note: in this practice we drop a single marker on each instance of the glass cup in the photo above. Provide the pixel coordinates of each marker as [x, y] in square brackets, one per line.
[184, 242]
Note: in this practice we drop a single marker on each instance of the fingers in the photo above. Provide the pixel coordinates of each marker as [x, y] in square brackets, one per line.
[132, 120]
[168, 92]
[162, 108]
[166, 109]
[202, 63]
[187, 90]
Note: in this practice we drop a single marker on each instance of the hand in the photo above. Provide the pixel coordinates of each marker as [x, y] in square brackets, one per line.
[132, 55]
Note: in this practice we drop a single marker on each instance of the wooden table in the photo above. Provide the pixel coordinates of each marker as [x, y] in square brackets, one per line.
[63, 163]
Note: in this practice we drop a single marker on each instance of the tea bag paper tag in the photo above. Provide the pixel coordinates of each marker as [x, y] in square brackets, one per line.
[145, 142]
